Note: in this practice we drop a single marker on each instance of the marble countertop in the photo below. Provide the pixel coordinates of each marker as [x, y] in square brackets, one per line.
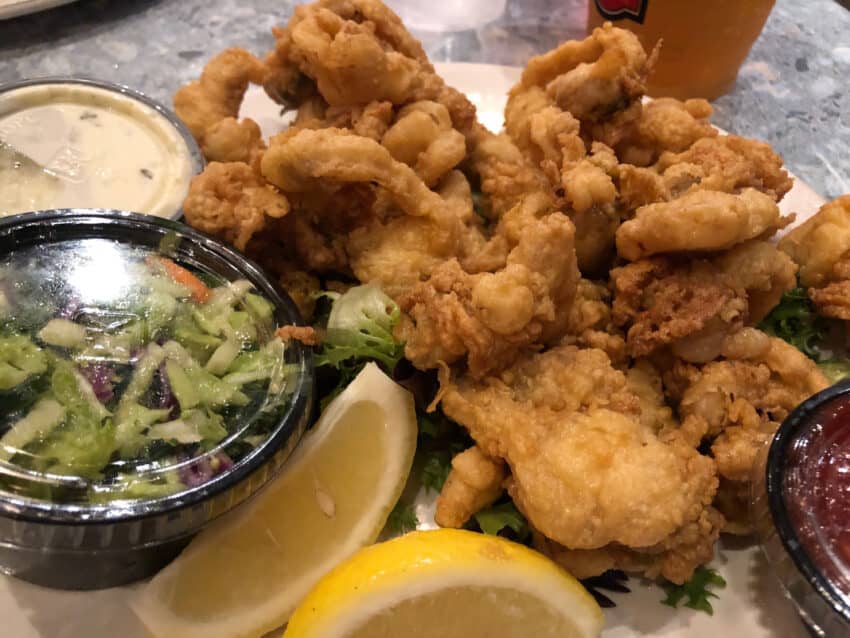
[792, 91]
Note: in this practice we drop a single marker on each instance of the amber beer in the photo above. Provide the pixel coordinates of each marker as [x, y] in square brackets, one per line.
[704, 41]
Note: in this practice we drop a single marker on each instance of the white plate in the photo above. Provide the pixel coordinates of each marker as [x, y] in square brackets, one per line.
[15, 8]
[751, 605]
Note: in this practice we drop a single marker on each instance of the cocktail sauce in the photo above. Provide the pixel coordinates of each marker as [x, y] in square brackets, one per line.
[817, 489]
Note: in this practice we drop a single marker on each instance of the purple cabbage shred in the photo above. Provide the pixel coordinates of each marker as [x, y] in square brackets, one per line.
[163, 397]
[70, 310]
[203, 469]
[100, 377]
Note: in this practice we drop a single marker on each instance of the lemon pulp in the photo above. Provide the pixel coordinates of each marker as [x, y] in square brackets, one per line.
[447, 583]
[474, 612]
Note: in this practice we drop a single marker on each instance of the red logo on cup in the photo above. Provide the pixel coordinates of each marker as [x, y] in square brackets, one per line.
[619, 9]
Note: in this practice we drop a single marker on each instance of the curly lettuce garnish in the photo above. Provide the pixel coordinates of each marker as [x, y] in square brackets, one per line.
[360, 329]
[360, 326]
[402, 519]
[795, 321]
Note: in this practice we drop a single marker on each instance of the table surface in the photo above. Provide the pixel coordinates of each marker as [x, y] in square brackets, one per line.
[792, 91]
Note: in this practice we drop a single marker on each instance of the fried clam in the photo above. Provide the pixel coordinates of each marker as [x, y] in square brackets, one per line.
[229, 200]
[504, 175]
[576, 138]
[691, 305]
[474, 482]
[591, 325]
[385, 176]
[353, 52]
[726, 163]
[663, 125]
[210, 105]
[406, 229]
[423, 138]
[588, 468]
[699, 221]
[581, 182]
[415, 245]
[737, 402]
[673, 559]
[821, 246]
[592, 78]
[486, 319]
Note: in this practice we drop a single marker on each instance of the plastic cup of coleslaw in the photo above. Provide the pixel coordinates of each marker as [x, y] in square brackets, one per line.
[144, 392]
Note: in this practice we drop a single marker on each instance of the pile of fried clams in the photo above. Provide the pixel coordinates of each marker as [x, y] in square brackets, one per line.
[587, 283]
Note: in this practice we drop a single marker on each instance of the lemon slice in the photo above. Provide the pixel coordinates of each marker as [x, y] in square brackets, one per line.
[244, 575]
[451, 584]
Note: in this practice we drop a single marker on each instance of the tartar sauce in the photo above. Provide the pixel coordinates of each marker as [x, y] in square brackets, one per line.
[66, 145]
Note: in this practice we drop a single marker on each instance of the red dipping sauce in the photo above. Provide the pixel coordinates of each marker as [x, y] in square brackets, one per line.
[817, 489]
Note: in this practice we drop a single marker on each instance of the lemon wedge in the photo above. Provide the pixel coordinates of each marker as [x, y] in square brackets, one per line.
[451, 584]
[245, 574]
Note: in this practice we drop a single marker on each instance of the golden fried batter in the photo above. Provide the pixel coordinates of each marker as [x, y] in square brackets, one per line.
[231, 202]
[592, 78]
[739, 403]
[698, 221]
[488, 317]
[474, 482]
[692, 305]
[661, 303]
[230, 140]
[578, 85]
[351, 53]
[674, 559]
[545, 134]
[724, 163]
[506, 177]
[356, 51]
[587, 467]
[730, 163]
[590, 323]
[764, 272]
[423, 138]
[326, 159]
[591, 197]
[610, 410]
[819, 243]
[209, 107]
[664, 125]
[833, 300]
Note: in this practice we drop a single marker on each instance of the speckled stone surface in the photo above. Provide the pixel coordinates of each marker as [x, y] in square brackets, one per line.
[793, 90]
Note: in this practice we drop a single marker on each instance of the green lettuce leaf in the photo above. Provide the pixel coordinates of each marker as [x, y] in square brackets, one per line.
[402, 519]
[498, 517]
[696, 593]
[794, 320]
[360, 330]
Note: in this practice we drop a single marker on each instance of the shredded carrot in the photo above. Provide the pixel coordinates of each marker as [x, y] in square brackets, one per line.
[197, 288]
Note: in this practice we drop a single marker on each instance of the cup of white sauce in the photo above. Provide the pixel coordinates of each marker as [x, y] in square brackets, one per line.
[81, 143]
